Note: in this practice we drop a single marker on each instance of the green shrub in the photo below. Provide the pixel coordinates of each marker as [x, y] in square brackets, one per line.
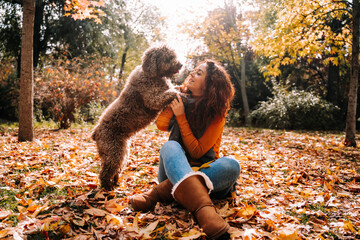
[295, 109]
[234, 117]
[89, 113]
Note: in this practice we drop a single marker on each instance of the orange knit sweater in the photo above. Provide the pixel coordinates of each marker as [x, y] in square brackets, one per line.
[195, 147]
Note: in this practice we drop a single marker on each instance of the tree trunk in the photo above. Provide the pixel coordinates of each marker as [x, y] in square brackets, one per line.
[26, 131]
[350, 129]
[123, 60]
[243, 92]
[241, 81]
[333, 84]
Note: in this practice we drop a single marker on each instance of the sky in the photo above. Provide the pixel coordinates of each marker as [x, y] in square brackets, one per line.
[179, 12]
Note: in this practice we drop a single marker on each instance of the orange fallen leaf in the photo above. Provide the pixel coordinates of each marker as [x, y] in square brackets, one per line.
[65, 228]
[24, 202]
[246, 212]
[33, 208]
[349, 226]
[4, 233]
[115, 220]
[192, 234]
[288, 234]
[327, 186]
[112, 206]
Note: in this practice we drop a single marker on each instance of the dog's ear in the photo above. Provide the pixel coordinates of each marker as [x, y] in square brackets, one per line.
[149, 62]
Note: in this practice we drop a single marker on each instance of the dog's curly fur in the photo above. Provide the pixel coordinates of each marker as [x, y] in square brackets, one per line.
[147, 91]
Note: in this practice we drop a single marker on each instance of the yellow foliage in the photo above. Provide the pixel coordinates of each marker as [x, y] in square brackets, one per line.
[302, 31]
[223, 38]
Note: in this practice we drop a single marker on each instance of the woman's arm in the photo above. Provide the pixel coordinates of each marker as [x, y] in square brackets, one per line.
[163, 119]
[198, 147]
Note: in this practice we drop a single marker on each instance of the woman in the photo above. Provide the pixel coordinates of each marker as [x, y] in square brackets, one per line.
[196, 125]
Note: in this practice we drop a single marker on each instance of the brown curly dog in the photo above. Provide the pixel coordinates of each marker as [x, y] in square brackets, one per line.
[147, 91]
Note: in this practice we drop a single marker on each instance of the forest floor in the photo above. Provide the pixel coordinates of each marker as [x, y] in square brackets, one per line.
[293, 185]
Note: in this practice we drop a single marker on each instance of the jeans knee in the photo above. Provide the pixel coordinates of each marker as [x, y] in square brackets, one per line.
[232, 167]
[171, 147]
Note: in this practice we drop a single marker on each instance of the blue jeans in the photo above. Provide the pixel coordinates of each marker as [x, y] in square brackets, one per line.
[174, 166]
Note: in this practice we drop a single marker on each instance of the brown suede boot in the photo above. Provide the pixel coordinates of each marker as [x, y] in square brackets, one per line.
[194, 196]
[147, 201]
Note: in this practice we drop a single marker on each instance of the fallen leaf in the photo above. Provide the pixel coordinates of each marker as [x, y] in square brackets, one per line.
[246, 212]
[79, 222]
[348, 226]
[288, 234]
[115, 220]
[148, 230]
[4, 214]
[4, 233]
[112, 206]
[192, 234]
[96, 212]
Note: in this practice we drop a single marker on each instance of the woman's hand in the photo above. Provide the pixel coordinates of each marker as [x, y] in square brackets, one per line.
[177, 106]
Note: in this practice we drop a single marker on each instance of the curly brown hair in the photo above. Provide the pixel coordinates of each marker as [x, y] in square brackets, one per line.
[215, 102]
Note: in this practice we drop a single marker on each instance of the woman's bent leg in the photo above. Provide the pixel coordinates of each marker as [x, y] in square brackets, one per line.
[191, 189]
[173, 162]
[175, 166]
[223, 173]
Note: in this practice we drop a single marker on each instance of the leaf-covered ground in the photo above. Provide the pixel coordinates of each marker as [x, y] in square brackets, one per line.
[292, 186]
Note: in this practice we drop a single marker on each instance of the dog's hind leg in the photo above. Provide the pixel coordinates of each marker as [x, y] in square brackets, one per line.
[112, 163]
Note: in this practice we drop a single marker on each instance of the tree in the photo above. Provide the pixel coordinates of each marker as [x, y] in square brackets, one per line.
[27, 76]
[350, 130]
[302, 31]
[308, 44]
[225, 37]
[133, 26]
[311, 31]
[26, 131]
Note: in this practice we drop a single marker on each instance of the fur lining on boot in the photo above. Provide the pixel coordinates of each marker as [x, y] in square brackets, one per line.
[208, 182]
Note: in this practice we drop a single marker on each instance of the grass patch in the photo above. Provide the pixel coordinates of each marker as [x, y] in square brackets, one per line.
[317, 207]
[13, 219]
[52, 192]
[304, 219]
[8, 199]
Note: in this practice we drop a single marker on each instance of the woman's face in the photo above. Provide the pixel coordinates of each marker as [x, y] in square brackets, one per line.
[196, 82]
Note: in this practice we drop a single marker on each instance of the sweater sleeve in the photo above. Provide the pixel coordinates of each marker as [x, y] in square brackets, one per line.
[198, 147]
[162, 122]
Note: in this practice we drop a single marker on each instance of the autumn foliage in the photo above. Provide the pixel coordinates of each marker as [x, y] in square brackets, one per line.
[84, 9]
[309, 30]
[292, 186]
[65, 86]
